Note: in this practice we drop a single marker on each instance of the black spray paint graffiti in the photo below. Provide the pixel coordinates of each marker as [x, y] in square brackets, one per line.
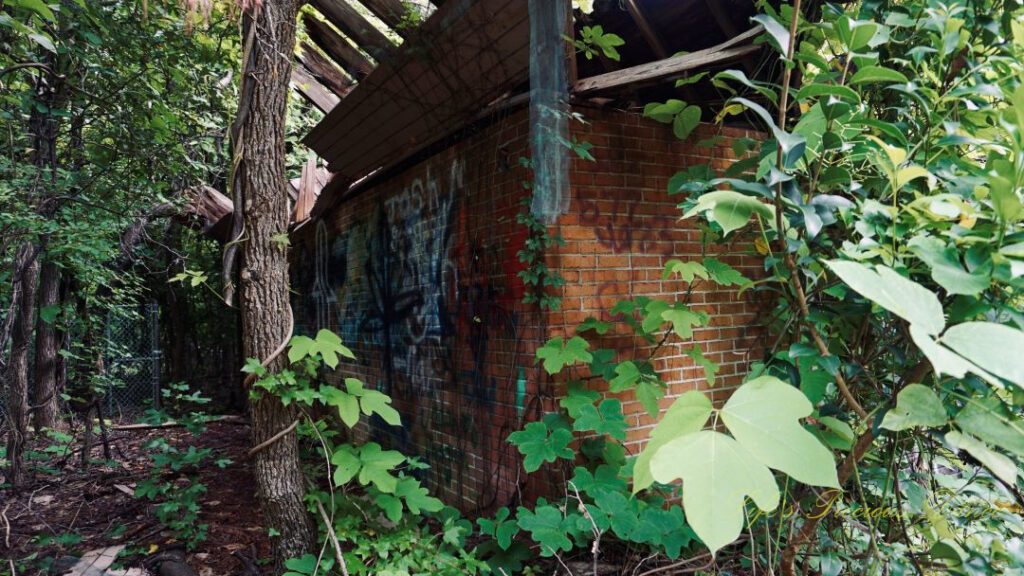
[406, 283]
[622, 230]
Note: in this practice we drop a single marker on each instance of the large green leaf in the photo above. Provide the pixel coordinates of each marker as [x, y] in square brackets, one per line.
[916, 405]
[718, 475]
[538, 447]
[946, 267]
[557, 353]
[764, 415]
[944, 360]
[993, 347]
[869, 74]
[687, 415]
[730, 209]
[997, 463]
[885, 287]
[990, 421]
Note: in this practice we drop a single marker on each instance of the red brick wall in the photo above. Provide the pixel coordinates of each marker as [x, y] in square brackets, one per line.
[418, 274]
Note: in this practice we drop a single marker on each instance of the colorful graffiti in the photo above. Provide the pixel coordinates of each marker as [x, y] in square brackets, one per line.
[428, 297]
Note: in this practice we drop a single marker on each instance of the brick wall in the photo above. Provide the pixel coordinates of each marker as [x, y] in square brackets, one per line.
[418, 274]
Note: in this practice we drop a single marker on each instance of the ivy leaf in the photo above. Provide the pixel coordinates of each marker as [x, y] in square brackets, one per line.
[723, 274]
[594, 324]
[546, 526]
[730, 209]
[501, 528]
[347, 404]
[538, 447]
[683, 320]
[377, 466]
[648, 393]
[346, 463]
[374, 402]
[622, 512]
[557, 353]
[602, 363]
[577, 397]
[764, 416]
[300, 347]
[626, 375]
[885, 287]
[652, 320]
[710, 368]
[718, 474]
[606, 418]
[687, 271]
[916, 405]
[687, 415]
[416, 497]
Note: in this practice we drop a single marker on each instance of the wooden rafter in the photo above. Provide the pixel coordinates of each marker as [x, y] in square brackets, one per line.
[340, 50]
[352, 24]
[736, 48]
[646, 29]
[315, 92]
[390, 12]
[324, 70]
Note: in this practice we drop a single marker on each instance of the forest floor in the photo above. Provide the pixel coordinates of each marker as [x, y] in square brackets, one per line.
[67, 511]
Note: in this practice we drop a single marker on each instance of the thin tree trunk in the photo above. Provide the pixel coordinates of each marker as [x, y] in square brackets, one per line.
[16, 399]
[47, 344]
[260, 132]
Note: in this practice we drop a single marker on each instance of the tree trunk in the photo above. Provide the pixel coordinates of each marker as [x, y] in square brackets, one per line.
[47, 344]
[266, 315]
[16, 399]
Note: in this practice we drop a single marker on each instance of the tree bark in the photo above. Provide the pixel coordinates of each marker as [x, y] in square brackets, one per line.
[16, 399]
[45, 411]
[266, 315]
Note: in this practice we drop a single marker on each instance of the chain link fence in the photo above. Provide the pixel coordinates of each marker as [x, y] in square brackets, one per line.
[133, 360]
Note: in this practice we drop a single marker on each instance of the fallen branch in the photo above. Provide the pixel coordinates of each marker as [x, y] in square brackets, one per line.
[226, 419]
[332, 535]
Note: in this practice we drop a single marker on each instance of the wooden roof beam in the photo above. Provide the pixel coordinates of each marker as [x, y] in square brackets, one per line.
[338, 48]
[668, 68]
[325, 71]
[315, 92]
[390, 12]
[646, 29]
[352, 24]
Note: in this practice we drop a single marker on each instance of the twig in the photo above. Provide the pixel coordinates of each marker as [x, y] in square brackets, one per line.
[683, 563]
[332, 535]
[7, 527]
[263, 445]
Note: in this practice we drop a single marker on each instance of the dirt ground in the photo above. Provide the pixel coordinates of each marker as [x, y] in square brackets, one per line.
[66, 511]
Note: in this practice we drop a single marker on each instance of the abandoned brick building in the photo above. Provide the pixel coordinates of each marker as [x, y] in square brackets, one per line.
[409, 251]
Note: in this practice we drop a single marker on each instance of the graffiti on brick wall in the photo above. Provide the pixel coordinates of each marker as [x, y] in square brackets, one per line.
[432, 296]
[622, 230]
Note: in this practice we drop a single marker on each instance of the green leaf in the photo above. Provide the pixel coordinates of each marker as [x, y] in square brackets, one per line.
[868, 74]
[39, 7]
[723, 274]
[501, 528]
[300, 347]
[683, 320]
[718, 474]
[685, 122]
[648, 393]
[946, 268]
[594, 324]
[730, 209]
[606, 418]
[626, 375]
[49, 314]
[710, 368]
[374, 402]
[664, 112]
[546, 527]
[997, 463]
[989, 346]
[764, 416]
[778, 34]
[346, 463]
[577, 397]
[416, 497]
[621, 511]
[377, 466]
[653, 320]
[944, 360]
[916, 405]
[885, 287]
[819, 90]
[687, 415]
[687, 271]
[538, 447]
[347, 404]
[990, 421]
[557, 353]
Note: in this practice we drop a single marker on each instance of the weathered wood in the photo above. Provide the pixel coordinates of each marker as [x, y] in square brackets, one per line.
[646, 29]
[666, 69]
[315, 92]
[467, 53]
[390, 12]
[352, 24]
[338, 48]
[325, 71]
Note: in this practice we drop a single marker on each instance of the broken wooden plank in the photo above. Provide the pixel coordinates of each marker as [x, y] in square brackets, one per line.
[325, 71]
[352, 24]
[338, 48]
[669, 68]
[315, 92]
[390, 12]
